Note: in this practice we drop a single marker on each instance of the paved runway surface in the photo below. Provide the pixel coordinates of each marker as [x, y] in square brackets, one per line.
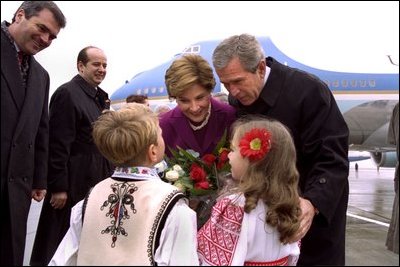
[369, 213]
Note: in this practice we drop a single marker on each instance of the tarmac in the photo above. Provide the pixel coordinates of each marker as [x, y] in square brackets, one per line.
[368, 217]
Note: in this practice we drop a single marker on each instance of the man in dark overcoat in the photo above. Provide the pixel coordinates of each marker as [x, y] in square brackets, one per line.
[301, 101]
[75, 164]
[24, 120]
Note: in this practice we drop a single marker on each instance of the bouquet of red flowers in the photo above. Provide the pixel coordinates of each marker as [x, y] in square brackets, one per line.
[197, 176]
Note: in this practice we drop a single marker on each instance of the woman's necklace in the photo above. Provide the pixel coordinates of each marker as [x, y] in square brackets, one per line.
[204, 123]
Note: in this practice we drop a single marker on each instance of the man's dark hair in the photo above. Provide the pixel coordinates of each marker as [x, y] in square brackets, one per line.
[32, 8]
[83, 56]
[136, 99]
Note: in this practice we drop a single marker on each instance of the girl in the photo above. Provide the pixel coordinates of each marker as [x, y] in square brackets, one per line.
[253, 219]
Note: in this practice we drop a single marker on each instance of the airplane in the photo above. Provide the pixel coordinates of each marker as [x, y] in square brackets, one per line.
[366, 100]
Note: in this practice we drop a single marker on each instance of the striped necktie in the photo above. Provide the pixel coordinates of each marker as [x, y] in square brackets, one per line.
[20, 57]
[23, 66]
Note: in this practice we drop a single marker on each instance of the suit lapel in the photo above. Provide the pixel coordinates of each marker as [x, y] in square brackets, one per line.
[34, 94]
[182, 128]
[11, 72]
[212, 127]
[212, 132]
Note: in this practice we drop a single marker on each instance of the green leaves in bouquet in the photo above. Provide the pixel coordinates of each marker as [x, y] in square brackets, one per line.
[222, 143]
[198, 176]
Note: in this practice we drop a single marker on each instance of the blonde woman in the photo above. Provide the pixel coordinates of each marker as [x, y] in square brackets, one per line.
[198, 121]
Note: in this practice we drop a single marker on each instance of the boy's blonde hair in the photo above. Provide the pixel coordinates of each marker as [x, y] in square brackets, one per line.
[124, 136]
[273, 178]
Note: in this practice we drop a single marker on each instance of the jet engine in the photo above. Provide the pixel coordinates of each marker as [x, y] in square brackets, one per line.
[384, 159]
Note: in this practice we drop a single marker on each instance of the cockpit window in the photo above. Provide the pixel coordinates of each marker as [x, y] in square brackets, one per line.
[194, 49]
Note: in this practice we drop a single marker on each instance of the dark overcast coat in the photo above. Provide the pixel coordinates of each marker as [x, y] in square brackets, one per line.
[306, 105]
[24, 147]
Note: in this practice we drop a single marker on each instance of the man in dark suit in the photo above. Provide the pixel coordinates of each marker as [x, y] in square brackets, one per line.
[301, 101]
[75, 163]
[24, 119]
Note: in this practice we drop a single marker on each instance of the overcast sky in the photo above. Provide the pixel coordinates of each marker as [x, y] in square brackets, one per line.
[136, 36]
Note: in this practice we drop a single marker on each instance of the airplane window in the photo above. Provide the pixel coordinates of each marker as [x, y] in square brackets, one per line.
[353, 83]
[161, 89]
[196, 49]
[344, 83]
[146, 91]
[372, 83]
[363, 83]
[153, 90]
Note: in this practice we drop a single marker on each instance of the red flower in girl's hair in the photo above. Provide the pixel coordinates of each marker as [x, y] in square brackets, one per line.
[255, 144]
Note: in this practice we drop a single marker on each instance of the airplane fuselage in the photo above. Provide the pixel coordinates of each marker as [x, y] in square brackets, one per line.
[366, 100]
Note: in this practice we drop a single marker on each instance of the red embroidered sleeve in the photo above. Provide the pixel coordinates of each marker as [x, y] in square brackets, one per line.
[218, 238]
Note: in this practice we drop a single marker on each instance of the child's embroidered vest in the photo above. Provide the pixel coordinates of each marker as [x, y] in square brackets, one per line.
[123, 221]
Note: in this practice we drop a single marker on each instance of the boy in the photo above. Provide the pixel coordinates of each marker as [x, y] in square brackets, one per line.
[131, 218]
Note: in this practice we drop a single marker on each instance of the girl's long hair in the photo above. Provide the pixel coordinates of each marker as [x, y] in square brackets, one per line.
[274, 178]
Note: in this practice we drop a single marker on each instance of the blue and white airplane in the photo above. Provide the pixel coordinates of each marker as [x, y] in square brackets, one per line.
[365, 99]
